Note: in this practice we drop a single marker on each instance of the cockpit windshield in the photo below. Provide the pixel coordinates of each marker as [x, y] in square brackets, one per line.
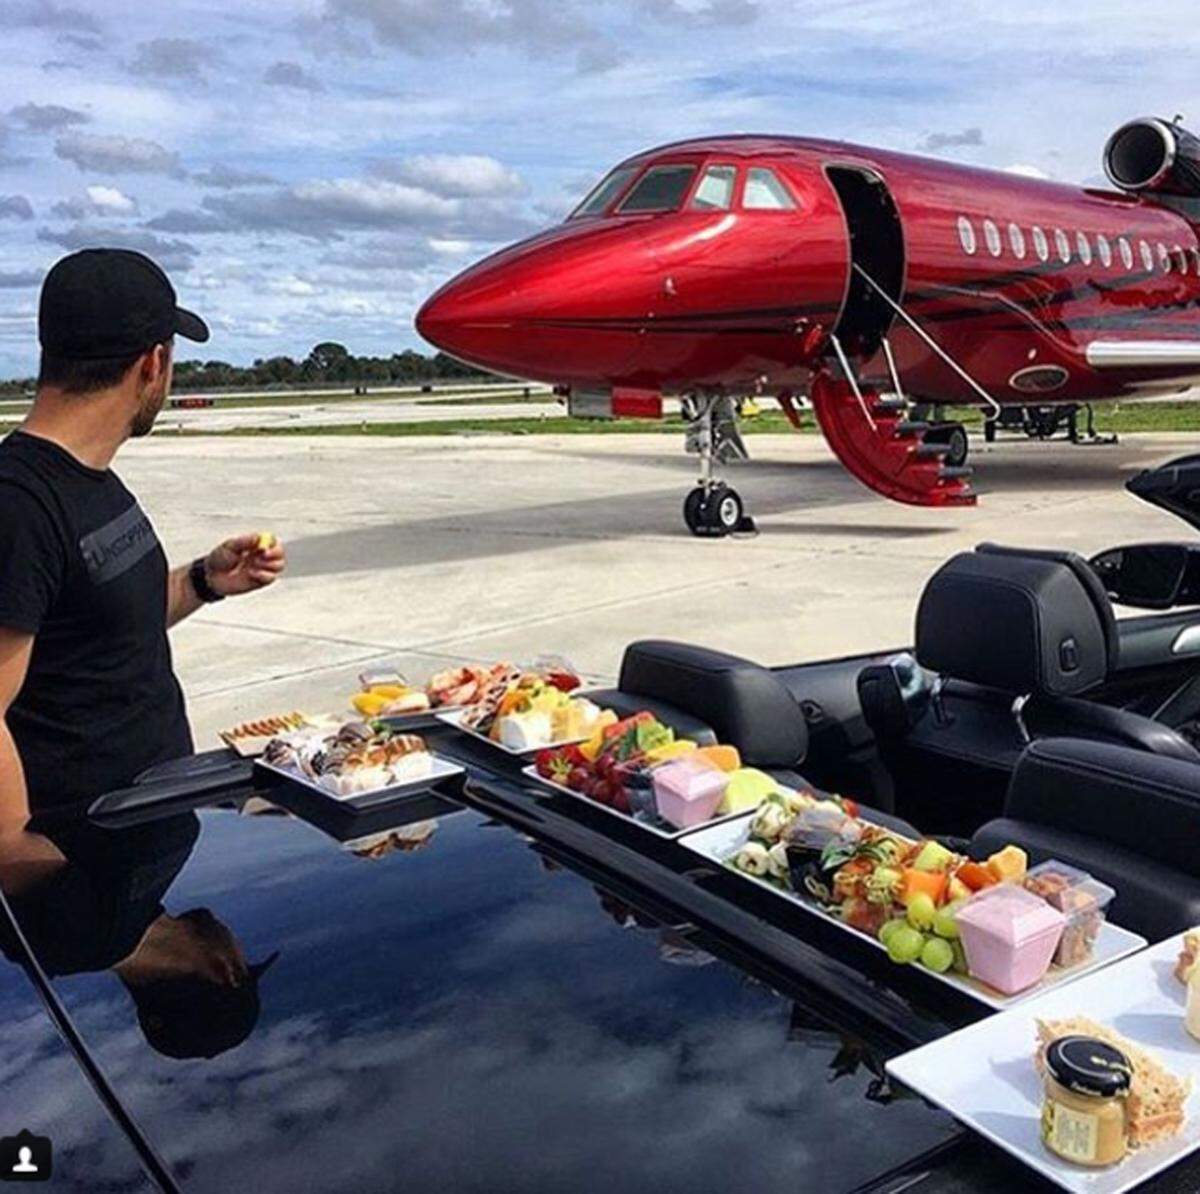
[605, 192]
[661, 188]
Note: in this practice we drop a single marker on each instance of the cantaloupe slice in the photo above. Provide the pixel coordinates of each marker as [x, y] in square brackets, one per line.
[726, 758]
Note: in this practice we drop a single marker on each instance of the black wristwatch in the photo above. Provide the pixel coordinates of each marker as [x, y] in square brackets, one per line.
[198, 575]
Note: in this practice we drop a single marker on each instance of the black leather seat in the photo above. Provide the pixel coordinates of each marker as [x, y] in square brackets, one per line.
[1126, 816]
[711, 696]
[1034, 624]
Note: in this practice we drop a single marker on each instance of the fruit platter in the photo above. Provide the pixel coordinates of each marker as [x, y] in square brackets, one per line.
[638, 769]
[522, 711]
[386, 693]
[994, 928]
[357, 760]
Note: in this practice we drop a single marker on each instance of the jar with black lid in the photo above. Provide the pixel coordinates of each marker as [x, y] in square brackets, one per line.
[1083, 1117]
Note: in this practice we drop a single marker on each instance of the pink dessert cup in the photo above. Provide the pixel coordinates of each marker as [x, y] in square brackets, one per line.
[688, 791]
[1009, 936]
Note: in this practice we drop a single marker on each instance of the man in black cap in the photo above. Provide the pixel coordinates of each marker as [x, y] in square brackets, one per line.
[88, 697]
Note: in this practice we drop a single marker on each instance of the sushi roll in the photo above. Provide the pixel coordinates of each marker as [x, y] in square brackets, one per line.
[778, 866]
[753, 858]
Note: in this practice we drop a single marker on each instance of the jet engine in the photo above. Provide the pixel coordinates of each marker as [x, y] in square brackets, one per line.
[1154, 155]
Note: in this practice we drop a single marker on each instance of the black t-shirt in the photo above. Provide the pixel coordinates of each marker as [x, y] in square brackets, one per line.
[82, 570]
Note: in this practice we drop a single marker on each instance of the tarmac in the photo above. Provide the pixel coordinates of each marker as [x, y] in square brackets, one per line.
[430, 551]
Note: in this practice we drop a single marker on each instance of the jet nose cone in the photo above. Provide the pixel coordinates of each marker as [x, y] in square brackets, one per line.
[469, 317]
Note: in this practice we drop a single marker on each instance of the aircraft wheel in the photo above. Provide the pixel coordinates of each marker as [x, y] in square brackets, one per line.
[958, 446]
[695, 511]
[726, 509]
[714, 513]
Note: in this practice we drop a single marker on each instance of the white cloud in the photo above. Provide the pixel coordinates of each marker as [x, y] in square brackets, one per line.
[112, 200]
[292, 74]
[455, 175]
[46, 118]
[174, 58]
[117, 155]
[15, 207]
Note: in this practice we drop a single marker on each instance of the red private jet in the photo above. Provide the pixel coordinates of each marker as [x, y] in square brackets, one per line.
[883, 286]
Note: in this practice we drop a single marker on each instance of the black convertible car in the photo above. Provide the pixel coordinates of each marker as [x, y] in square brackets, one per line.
[491, 986]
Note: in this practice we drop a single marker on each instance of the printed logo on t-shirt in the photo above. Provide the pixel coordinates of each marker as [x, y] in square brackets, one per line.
[118, 546]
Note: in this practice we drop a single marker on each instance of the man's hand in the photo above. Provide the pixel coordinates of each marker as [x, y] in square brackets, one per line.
[245, 564]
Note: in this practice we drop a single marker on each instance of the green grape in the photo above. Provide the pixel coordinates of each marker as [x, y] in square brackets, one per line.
[889, 929]
[960, 957]
[937, 955]
[921, 911]
[944, 924]
[905, 945]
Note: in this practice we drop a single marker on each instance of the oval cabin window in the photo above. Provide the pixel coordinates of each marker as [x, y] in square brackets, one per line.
[992, 235]
[1016, 241]
[966, 236]
[1085, 247]
[1104, 250]
[1040, 245]
[1062, 242]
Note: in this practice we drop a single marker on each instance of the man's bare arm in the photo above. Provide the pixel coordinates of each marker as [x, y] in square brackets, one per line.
[240, 565]
[24, 857]
[182, 600]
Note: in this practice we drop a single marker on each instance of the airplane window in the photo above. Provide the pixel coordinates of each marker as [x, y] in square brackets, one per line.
[764, 191]
[1016, 238]
[661, 188]
[1085, 248]
[1181, 261]
[1164, 258]
[1104, 249]
[1063, 243]
[1196, 255]
[716, 188]
[1147, 256]
[1040, 246]
[966, 235]
[1126, 252]
[992, 235]
[603, 194]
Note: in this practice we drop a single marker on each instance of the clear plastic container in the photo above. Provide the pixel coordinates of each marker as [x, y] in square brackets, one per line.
[1081, 899]
[1009, 936]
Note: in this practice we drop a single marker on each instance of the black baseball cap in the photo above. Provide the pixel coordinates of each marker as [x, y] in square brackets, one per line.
[101, 303]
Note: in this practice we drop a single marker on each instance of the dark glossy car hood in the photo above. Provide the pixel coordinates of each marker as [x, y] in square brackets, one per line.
[470, 1015]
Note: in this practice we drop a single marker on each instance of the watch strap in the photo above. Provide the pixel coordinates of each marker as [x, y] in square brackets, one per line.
[198, 574]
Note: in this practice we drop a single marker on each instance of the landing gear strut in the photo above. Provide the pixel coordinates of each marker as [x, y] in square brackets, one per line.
[713, 509]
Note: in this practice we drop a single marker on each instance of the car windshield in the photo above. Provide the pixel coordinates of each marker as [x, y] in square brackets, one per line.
[661, 188]
[604, 192]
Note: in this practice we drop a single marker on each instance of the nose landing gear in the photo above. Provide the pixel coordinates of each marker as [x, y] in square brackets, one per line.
[713, 509]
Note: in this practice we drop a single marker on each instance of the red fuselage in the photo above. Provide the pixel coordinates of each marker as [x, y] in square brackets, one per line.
[1012, 276]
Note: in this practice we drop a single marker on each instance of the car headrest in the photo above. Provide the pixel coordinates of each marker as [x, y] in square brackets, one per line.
[1144, 803]
[1019, 621]
[747, 705]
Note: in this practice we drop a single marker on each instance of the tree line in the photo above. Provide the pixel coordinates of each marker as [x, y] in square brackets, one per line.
[327, 363]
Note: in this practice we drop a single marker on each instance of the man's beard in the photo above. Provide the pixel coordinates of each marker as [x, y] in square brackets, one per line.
[147, 413]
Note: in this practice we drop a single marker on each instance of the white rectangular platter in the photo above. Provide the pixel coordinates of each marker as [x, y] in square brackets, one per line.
[453, 717]
[441, 769]
[721, 841]
[985, 1076]
[658, 828]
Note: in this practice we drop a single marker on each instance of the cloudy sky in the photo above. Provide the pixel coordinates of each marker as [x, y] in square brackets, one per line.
[311, 169]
